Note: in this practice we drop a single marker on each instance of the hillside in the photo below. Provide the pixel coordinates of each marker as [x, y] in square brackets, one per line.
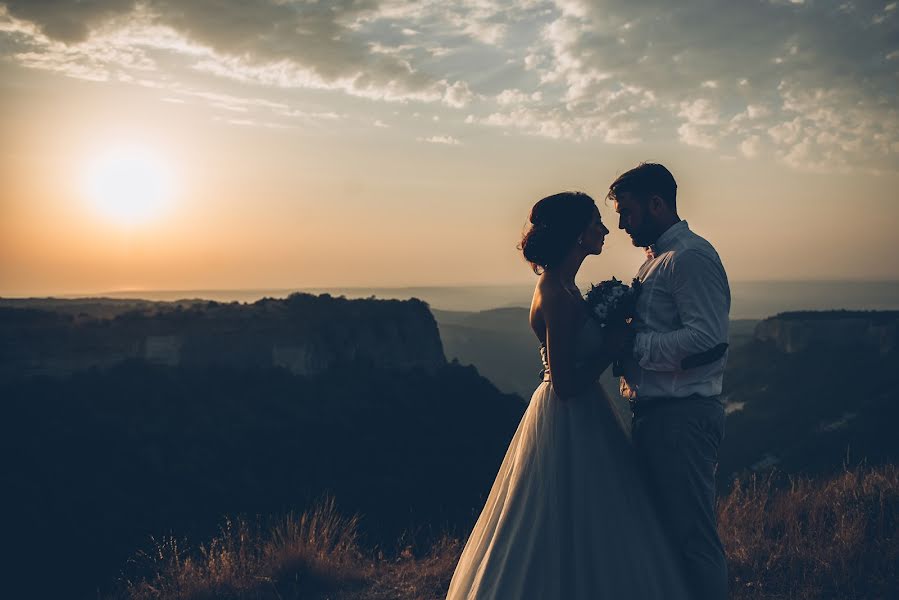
[103, 455]
[833, 537]
[811, 390]
[99, 459]
[498, 342]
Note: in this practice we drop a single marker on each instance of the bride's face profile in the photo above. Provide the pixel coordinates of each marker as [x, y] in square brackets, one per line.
[594, 235]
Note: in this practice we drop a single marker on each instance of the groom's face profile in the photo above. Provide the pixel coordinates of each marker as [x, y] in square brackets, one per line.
[634, 217]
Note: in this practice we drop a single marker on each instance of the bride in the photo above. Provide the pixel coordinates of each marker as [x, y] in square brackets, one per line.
[568, 517]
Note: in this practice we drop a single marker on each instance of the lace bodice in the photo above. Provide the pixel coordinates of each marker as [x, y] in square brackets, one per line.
[589, 343]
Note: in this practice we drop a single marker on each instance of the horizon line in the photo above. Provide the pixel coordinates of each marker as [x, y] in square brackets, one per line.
[112, 293]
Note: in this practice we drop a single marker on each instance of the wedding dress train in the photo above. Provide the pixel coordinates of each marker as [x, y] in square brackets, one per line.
[568, 516]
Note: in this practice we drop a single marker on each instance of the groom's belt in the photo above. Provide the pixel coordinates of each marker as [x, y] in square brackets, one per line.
[648, 403]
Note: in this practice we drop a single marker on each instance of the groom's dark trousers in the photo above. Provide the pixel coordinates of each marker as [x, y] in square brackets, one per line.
[677, 443]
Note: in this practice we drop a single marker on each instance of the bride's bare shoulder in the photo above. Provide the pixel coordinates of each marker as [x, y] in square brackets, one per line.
[550, 302]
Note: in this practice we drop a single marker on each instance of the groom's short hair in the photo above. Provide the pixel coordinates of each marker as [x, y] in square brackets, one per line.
[646, 180]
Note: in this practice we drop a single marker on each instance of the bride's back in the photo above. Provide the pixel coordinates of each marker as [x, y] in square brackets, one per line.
[549, 296]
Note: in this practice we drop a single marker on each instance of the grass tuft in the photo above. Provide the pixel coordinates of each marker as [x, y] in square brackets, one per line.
[786, 538]
[831, 538]
[303, 555]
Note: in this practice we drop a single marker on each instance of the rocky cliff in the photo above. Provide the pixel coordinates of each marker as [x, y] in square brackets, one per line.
[798, 331]
[305, 334]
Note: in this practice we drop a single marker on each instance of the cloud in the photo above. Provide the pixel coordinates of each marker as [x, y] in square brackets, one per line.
[751, 146]
[446, 140]
[692, 135]
[721, 74]
[699, 112]
[68, 22]
[457, 95]
[485, 21]
[514, 96]
[268, 42]
[811, 84]
[252, 123]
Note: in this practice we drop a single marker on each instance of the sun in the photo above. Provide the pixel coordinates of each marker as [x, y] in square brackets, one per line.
[128, 185]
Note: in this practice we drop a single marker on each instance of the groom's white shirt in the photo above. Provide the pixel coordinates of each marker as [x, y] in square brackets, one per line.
[682, 310]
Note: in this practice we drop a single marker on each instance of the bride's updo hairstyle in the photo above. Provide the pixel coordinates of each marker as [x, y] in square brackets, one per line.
[555, 224]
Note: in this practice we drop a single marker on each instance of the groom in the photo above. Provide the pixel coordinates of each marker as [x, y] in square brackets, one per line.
[672, 377]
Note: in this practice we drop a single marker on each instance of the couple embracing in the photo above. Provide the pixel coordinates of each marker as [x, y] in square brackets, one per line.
[578, 511]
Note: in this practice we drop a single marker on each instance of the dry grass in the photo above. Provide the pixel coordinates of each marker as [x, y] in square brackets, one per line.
[309, 555]
[836, 538]
[832, 538]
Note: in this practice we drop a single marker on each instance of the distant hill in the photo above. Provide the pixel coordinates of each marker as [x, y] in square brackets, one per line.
[812, 390]
[498, 342]
[797, 331]
[303, 333]
[97, 308]
[501, 345]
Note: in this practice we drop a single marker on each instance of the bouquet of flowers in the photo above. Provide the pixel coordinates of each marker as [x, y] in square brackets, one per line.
[613, 302]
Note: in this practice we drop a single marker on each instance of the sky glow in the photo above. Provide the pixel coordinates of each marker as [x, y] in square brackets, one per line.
[402, 143]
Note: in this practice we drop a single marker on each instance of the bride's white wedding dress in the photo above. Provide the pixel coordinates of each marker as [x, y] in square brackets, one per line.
[568, 517]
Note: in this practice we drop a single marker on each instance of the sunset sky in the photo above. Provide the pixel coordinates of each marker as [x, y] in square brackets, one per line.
[278, 144]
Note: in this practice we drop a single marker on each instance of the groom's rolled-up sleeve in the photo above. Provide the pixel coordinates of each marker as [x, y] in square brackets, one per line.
[702, 296]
